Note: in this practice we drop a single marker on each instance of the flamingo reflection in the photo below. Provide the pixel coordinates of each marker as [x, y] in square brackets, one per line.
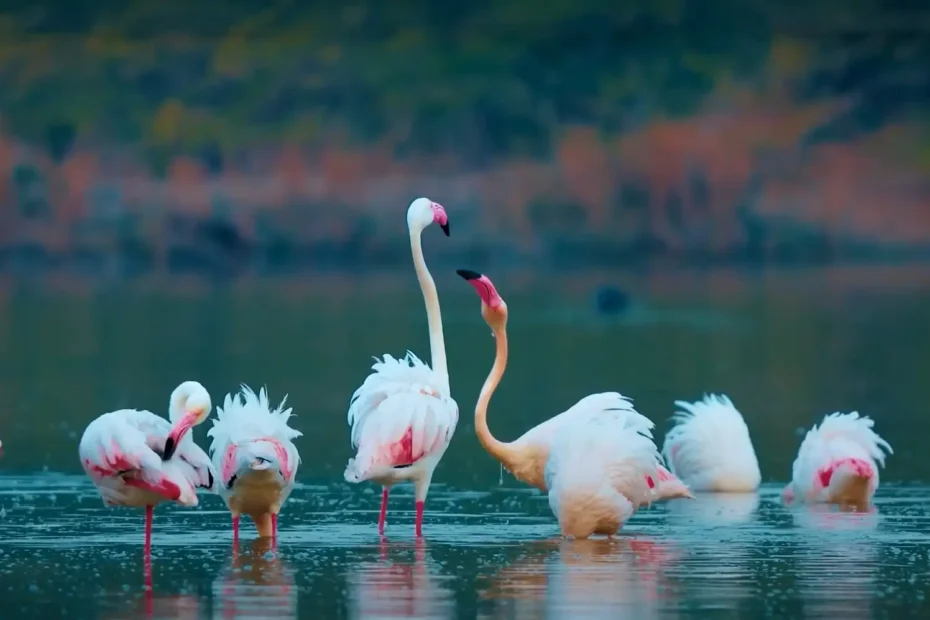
[587, 578]
[256, 584]
[838, 560]
[396, 587]
[714, 509]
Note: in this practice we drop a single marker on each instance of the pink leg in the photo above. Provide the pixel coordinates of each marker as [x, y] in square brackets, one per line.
[274, 530]
[149, 514]
[383, 517]
[419, 521]
[235, 529]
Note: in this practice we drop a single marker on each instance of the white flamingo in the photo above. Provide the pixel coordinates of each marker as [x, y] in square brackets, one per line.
[597, 474]
[709, 447]
[526, 456]
[136, 458]
[838, 462]
[403, 416]
[254, 453]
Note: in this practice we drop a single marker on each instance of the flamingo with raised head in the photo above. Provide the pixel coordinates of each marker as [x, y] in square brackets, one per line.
[254, 453]
[597, 474]
[838, 462]
[526, 456]
[136, 458]
[403, 416]
[709, 447]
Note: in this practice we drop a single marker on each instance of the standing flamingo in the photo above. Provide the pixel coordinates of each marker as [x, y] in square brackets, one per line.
[256, 458]
[838, 462]
[137, 458]
[709, 448]
[597, 474]
[526, 457]
[403, 415]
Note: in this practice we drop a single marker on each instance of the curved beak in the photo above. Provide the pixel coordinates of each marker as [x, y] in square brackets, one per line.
[445, 228]
[177, 433]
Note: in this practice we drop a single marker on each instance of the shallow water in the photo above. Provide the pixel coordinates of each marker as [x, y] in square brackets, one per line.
[485, 555]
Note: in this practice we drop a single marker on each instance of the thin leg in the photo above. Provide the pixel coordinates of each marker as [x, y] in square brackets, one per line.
[419, 521]
[274, 530]
[235, 529]
[383, 517]
[149, 514]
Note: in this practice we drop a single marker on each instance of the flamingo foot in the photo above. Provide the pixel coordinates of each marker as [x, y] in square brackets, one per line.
[149, 515]
[419, 519]
[383, 517]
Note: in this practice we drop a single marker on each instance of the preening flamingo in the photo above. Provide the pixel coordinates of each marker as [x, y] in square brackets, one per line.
[403, 416]
[837, 463]
[597, 474]
[255, 457]
[709, 447]
[137, 458]
[526, 456]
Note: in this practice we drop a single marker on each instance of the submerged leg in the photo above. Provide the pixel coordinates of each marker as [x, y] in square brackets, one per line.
[274, 529]
[149, 514]
[383, 517]
[419, 519]
[235, 520]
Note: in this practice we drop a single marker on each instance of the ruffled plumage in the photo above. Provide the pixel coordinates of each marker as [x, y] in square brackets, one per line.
[402, 413]
[840, 437]
[709, 447]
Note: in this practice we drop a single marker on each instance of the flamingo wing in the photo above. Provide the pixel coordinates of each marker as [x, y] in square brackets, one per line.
[403, 412]
[616, 410]
[124, 441]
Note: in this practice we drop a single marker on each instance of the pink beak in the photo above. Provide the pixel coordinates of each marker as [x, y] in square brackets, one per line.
[177, 434]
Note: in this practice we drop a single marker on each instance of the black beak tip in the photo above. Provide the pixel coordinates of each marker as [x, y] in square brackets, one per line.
[468, 274]
[445, 228]
[169, 449]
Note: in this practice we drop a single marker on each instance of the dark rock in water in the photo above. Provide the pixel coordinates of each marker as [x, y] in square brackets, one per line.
[611, 300]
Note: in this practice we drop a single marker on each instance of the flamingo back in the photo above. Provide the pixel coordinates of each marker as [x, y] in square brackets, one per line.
[597, 474]
[251, 436]
[402, 413]
[121, 452]
[709, 447]
[840, 437]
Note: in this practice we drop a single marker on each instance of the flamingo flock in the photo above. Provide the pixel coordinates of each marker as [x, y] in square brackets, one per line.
[597, 462]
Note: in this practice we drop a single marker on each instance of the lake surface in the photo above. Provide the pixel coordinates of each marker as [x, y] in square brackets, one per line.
[787, 346]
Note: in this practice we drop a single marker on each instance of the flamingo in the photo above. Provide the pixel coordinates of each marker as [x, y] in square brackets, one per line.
[709, 448]
[526, 457]
[837, 463]
[254, 453]
[136, 458]
[597, 474]
[403, 416]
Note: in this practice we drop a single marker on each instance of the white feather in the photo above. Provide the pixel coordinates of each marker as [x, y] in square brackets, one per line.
[839, 436]
[709, 447]
[612, 406]
[398, 395]
[596, 474]
[247, 420]
[134, 439]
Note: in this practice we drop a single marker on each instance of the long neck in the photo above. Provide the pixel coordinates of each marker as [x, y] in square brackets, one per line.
[437, 344]
[502, 451]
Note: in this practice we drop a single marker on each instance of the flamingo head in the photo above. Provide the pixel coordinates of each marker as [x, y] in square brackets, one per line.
[190, 405]
[493, 308]
[422, 212]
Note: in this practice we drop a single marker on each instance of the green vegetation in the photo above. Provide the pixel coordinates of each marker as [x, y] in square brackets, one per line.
[485, 79]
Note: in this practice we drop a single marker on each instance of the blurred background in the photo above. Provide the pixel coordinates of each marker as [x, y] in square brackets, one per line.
[673, 196]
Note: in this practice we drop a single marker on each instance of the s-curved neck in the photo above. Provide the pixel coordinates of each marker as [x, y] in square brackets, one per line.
[498, 449]
[437, 343]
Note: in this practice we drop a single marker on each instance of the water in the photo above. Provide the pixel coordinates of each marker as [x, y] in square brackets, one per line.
[490, 555]
[787, 347]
